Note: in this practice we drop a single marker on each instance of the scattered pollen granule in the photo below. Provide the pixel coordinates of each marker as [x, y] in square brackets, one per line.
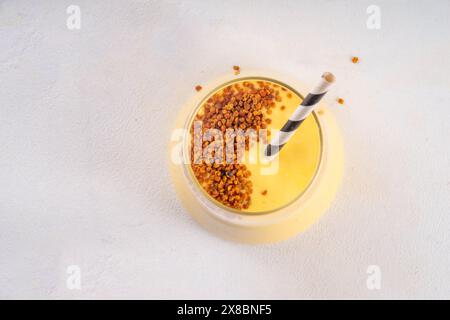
[340, 101]
[282, 107]
[264, 192]
[320, 112]
[355, 59]
[237, 70]
[198, 88]
[289, 95]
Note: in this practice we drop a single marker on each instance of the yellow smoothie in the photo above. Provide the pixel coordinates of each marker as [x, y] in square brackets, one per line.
[298, 161]
[282, 204]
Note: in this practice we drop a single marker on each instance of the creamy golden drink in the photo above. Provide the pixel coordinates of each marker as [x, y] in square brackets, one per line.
[235, 106]
[249, 199]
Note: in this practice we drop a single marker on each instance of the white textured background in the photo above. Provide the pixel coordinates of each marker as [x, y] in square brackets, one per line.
[84, 123]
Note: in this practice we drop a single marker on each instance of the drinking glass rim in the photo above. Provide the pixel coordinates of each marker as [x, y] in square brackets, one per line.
[187, 168]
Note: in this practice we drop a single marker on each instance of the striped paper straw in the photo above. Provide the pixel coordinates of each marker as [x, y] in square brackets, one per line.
[300, 114]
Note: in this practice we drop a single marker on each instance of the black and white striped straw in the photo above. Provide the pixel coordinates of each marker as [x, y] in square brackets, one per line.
[299, 115]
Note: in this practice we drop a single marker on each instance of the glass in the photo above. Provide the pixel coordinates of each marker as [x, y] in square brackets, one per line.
[272, 225]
